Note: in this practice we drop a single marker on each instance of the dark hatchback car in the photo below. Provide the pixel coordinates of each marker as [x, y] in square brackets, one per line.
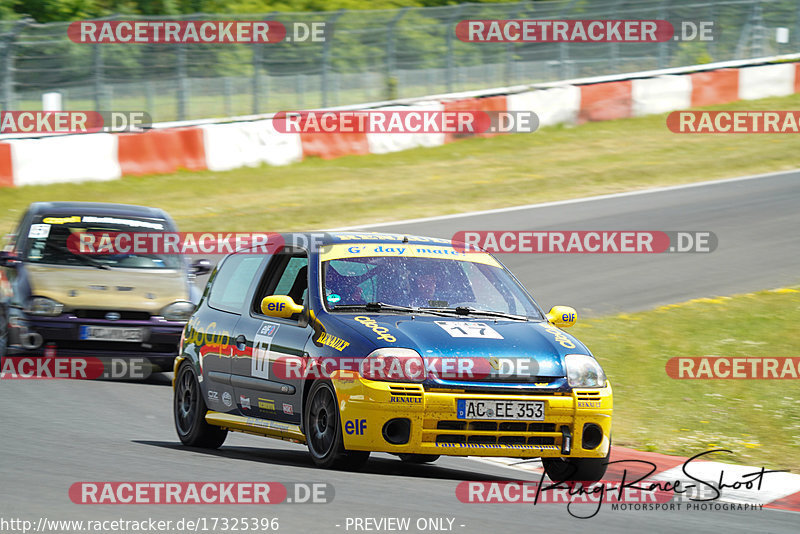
[389, 343]
[54, 300]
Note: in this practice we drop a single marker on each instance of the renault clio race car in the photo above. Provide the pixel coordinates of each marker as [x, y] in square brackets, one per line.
[389, 343]
[55, 300]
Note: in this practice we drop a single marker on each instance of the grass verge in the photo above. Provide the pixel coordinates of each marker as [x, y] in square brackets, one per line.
[555, 163]
[759, 420]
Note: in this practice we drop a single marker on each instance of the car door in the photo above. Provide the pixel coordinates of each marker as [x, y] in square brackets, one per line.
[213, 327]
[262, 386]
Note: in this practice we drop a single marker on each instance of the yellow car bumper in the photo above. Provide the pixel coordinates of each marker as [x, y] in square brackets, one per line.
[376, 413]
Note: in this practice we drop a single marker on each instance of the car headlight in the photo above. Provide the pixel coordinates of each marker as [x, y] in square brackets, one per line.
[393, 365]
[44, 306]
[178, 311]
[584, 372]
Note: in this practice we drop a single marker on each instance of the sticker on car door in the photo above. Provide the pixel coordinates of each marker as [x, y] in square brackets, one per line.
[259, 366]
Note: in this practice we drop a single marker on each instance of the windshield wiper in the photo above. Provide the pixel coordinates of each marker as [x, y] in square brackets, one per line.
[85, 259]
[382, 306]
[469, 310]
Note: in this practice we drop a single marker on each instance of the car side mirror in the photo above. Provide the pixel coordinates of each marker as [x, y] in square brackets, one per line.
[562, 316]
[9, 259]
[280, 306]
[200, 267]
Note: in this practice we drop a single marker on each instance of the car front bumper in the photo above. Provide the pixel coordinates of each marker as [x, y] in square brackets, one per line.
[60, 336]
[367, 407]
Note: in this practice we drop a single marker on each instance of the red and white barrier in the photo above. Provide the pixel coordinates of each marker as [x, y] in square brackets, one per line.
[766, 80]
[606, 101]
[249, 144]
[383, 143]
[253, 141]
[661, 94]
[714, 87]
[71, 158]
[557, 105]
[161, 151]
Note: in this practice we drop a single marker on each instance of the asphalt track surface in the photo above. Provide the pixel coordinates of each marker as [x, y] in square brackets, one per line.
[55, 433]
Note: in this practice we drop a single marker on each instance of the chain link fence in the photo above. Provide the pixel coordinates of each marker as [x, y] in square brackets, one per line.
[366, 56]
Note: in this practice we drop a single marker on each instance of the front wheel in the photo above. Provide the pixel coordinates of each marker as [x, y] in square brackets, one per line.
[576, 469]
[323, 431]
[189, 410]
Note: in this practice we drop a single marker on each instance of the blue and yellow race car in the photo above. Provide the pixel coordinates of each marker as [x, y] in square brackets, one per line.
[369, 342]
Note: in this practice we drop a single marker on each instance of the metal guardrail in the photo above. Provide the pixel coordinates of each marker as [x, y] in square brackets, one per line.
[367, 56]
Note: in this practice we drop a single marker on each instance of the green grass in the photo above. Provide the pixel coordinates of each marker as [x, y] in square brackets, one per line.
[759, 420]
[555, 163]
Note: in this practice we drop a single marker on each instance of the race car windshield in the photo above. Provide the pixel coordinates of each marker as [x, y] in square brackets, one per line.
[424, 283]
[53, 239]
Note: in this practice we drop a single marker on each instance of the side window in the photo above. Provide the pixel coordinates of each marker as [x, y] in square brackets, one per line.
[13, 237]
[232, 282]
[287, 280]
[287, 275]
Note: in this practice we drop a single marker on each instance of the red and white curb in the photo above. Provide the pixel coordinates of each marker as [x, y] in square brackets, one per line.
[779, 491]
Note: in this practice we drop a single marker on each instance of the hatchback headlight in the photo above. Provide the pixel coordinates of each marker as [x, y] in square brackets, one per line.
[584, 372]
[393, 364]
[178, 311]
[44, 306]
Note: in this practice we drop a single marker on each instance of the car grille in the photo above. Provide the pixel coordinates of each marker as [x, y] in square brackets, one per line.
[490, 432]
[406, 391]
[124, 315]
[588, 395]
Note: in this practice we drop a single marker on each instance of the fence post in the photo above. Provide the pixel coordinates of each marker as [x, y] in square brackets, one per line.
[451, 33]
[391, 79]
[7, 49]
[227, 92]
[509, 64]
[758, 31]
[563, 49]
[745, 34]
[150, 99]
[256, 77]
[326, 54]
[182, 81]
[663, 46]
[97, 62]
[299, 89]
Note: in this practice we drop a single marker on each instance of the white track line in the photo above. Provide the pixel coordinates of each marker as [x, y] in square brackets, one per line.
[564, 202]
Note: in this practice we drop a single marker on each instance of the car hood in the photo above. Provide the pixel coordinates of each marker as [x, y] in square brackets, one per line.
[445, 337]
[115, 289]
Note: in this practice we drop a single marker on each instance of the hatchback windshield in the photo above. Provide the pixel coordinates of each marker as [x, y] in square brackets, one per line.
[49, 241]
[424, 282]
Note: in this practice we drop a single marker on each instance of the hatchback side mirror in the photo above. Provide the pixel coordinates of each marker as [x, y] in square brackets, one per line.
[9, 259]
[562, 316]
[201, 266]
[280, 306]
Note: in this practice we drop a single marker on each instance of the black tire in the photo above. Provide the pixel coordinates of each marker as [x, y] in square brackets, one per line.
[418, 458]
[189, 411]
[577, 469]
[323, 431]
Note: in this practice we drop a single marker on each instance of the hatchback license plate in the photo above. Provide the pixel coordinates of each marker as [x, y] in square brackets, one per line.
[500, 409]
[111, 333]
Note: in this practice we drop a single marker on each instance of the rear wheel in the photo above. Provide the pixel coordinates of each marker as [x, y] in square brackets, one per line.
[577, 469]
[323, 431]
[189, 410]
[418, 458]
